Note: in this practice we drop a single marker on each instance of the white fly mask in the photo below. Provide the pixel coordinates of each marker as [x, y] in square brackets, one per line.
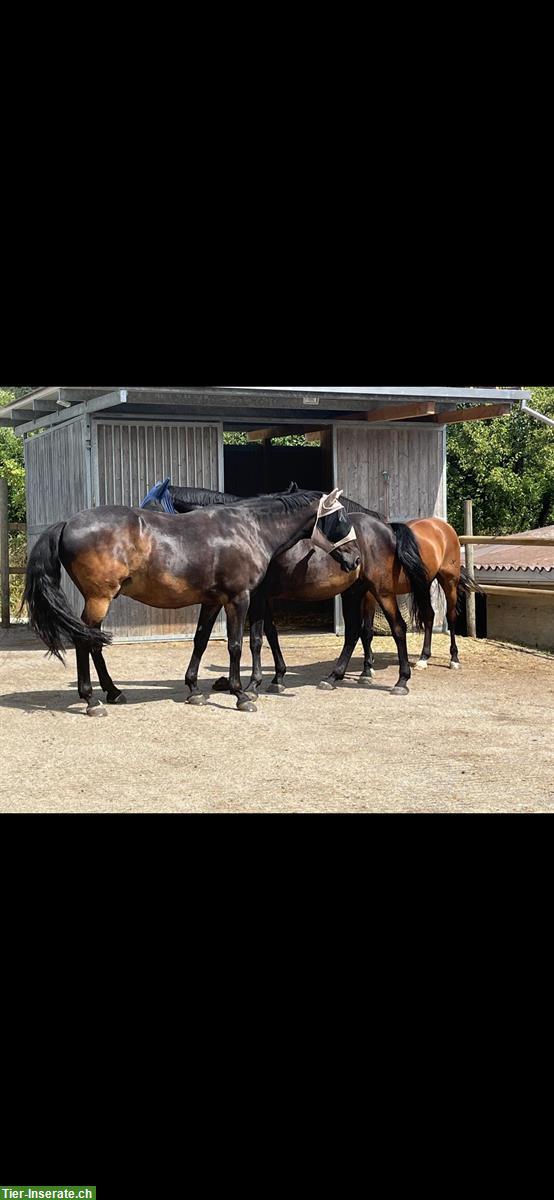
[332, 528]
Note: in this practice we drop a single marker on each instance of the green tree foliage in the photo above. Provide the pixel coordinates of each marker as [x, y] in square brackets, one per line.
[506, 467]
[11, 462]
[16, 392]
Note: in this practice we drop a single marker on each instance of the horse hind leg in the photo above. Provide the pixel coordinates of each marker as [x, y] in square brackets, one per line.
[426, 653]
[368, 631]
[277, 687]
[95, 613]
[84, 683]
[450, 589]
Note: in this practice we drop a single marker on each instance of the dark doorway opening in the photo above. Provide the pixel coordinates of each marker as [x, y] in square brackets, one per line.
[257, 467]
[263, 466]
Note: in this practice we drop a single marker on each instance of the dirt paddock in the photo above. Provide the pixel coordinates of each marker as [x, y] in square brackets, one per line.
[476, 741]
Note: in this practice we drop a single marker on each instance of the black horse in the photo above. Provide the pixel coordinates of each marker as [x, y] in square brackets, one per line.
[217, 557]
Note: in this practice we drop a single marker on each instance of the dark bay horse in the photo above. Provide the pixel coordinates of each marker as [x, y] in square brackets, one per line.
[304, 573]
[217, 557]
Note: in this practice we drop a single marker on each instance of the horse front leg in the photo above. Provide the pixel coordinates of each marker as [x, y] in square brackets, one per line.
[351, 604]
[204, 629]
[260, 618]
[257, 622]
[237, 612]
[399, 630]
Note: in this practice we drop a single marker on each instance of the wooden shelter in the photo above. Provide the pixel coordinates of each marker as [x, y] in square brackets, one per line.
[385, 446]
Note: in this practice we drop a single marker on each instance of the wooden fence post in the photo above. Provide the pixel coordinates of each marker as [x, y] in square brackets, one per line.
[4, 554]
[470, 566]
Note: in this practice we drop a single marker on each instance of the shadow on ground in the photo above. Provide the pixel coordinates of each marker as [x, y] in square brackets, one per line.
[152, 691]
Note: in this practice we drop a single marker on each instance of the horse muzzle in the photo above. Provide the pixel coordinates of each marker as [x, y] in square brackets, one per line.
[349, 560]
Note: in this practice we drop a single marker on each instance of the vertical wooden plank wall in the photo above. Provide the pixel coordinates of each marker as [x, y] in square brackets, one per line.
[414, 457]
[128, 459]
[57, 484]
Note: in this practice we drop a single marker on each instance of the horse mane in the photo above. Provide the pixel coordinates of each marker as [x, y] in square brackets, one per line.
[204, 498]
[352, 506]
[201, 497]
[292, 502]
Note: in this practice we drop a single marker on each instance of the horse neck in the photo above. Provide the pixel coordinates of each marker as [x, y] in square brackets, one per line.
[284, 530]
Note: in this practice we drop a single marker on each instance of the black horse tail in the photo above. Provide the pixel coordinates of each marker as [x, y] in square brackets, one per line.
[410, 559]
[49, 612]
[468, 585]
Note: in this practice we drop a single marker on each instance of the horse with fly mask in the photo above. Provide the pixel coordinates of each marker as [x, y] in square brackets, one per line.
[303, 573]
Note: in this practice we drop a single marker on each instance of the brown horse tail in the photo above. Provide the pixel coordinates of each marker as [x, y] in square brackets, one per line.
[49, 612]
[409, 556]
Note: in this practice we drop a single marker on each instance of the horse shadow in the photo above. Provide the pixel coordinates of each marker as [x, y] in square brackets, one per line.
[69, 702]
[145, 692]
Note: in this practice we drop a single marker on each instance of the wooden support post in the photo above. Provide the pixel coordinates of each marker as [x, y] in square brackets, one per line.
[470, 566]
[4, 554]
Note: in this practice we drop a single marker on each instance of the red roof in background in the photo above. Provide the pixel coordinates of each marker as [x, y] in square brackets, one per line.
[518, 558]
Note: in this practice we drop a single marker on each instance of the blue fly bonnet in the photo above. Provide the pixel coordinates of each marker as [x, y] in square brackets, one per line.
[160, 493]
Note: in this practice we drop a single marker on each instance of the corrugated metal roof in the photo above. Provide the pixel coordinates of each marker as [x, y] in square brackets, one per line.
[518, 558]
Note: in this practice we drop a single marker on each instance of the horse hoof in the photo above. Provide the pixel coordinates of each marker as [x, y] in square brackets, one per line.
[421, 665]
[198, 700]
[454, 666]
[247, 707]
[97, 710]
[366, 680]
[117, 699]
[221, 685]
[400, 691]
[326, 686]
[276, 689]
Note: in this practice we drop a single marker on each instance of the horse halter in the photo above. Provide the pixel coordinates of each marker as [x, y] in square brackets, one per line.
[329, 505]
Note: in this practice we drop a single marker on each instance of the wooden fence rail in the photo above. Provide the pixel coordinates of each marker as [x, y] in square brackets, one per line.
[507, 541]
[493, 589]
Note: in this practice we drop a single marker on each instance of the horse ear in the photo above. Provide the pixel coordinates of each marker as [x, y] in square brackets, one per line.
[293, 488]
[335, 495]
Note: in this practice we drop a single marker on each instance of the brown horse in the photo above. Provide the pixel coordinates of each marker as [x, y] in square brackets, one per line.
[217, 557]
[441, 554]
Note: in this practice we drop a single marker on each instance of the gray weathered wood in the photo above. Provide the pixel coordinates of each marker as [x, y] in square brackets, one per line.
[403, 468]
[56, 485]
[128, 459]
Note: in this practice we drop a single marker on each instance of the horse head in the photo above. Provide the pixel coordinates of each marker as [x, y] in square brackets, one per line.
[334, 532]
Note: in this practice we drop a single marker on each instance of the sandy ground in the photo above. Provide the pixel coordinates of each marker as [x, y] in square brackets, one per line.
[480, 740]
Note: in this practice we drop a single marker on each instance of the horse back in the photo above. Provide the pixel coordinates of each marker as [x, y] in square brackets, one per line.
[439, 545]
